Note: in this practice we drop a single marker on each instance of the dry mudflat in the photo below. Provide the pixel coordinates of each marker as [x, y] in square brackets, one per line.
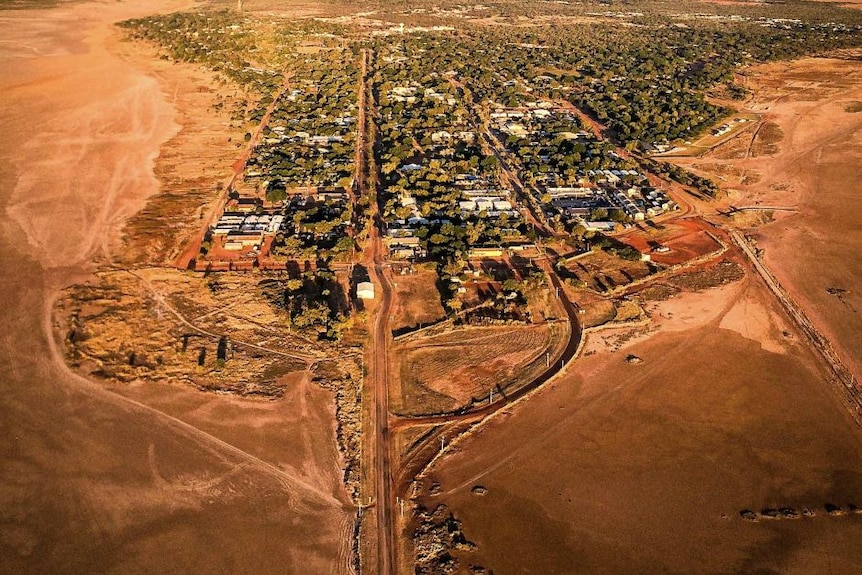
[807, 156]
[658, 466]
[622, 467]
[155, 479]
[819, 162]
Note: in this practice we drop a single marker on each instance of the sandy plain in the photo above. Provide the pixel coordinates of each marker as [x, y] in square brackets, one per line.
[623, 468]
[814, 166]
[164, 480]
[645, 468]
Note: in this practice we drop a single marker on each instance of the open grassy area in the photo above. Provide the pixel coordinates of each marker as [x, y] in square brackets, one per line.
[604, 272]
[417, 300]
[449, 371]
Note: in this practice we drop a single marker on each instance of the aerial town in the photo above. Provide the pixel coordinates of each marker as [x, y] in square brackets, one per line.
[432, 287]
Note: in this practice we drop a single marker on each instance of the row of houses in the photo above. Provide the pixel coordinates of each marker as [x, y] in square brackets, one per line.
[522, 123]
[636, 202]
[642, 202]
[246, 223]
[235, 221]
[485, 204]
[447, 137]
[611, 176]
[412, 93]
[401, 240]
[539, 110]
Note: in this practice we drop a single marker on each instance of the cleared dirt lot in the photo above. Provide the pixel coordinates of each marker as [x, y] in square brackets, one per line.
[417, 300]
[686, 239]
[622, 468]
[164, 480]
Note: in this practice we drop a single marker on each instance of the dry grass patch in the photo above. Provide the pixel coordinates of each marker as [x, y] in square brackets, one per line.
[417, 300]
[598, 313]
[733, 149]
[121, 328]
[727, 173]
[604, 272]
[722, 273]
[767, 139]
[448, 371]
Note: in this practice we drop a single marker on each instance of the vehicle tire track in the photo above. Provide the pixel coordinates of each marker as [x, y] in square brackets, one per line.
[292, 484]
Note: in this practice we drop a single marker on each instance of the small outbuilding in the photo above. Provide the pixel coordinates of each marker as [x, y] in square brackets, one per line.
[365, 290]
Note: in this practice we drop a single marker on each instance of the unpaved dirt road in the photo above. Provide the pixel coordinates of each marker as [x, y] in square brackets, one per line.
[90, 481]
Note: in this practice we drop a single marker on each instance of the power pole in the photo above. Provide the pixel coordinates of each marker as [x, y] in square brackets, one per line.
[239, 5]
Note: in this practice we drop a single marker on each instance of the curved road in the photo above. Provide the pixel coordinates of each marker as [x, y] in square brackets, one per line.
[472, 413]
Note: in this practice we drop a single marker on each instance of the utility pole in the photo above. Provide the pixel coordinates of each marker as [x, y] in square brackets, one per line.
[548, 359]
[239, 5]
[491, 397]
[442, 443]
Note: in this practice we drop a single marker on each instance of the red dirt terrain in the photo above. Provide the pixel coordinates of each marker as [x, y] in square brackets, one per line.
[646, 467]
[156, 480]
[813, 164]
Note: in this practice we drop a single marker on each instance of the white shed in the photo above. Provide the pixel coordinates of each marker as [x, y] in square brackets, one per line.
[365, 290]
